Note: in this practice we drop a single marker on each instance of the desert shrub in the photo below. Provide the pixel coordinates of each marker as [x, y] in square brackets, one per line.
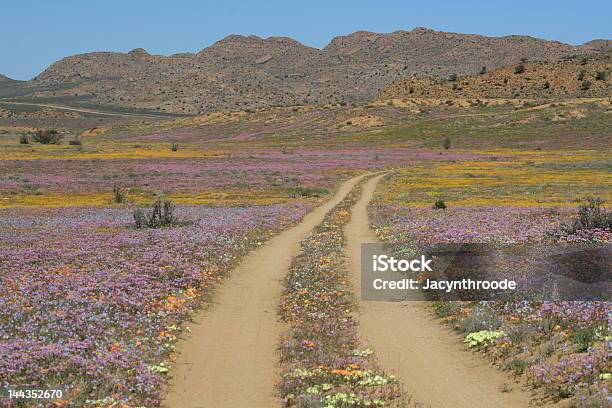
[174, 147]
[546, 85]
[586, 85]
[47, 136]
[119, 195]
[584, 61]
[583, 337]
[439, 205]
[519, 69]
[446, 144]
[483, 70]
[482, 319]
[452, 77]
[140, 218]
[592, 215]
[161, 215]
[24, 139]
[308, 192]
[518, 333]
[518, 365]
[601, 75]
[547, 348]
[75, 142]
[581, 75]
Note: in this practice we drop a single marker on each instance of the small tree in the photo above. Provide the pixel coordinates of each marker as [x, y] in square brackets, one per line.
[519, 69]
[439, 205]
[24, 139]
[601, 76]
[118, 193]
[48, 136]
[483, 70]
[446, 144]
[174, 147]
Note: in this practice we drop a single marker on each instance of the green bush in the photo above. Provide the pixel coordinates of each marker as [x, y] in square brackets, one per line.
[518, 365]
[119, 195]
[308, 192]
[48, 136]
[439, 205]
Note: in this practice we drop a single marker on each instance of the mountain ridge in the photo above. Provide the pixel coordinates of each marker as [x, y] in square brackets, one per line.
[249, 72]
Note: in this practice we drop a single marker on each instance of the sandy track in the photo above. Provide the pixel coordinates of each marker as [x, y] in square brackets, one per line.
[434, 367]
[92, 111]
[230, 358]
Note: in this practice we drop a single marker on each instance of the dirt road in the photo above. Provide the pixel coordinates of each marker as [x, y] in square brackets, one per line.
[230, 358]
[92, 111]
[434, 367]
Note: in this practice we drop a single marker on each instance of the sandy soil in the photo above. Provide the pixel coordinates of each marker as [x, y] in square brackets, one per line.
[230, 358]
[434, 367]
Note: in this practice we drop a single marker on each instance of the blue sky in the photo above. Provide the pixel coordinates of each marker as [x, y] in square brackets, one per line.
[36, 33]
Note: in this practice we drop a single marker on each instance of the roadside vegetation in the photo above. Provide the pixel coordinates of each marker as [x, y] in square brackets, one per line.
[323, 362]
[558, 347]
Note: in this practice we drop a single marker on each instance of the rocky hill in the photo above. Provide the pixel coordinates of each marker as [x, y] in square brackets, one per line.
[4, 78]
[241, 73]
[599, 45]
[569, 77]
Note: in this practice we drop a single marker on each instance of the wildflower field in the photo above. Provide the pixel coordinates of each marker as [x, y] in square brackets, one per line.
[96, 286]
[561, 348]
[92, 305]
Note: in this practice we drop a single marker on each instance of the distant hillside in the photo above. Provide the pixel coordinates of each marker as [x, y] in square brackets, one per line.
[5, 78]
[240, 73]
[570, 77]
[599, 45]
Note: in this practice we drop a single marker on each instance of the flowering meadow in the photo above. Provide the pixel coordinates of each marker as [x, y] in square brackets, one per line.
[92, 305]
[563, 348]
[321, 359]
[57, 176]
